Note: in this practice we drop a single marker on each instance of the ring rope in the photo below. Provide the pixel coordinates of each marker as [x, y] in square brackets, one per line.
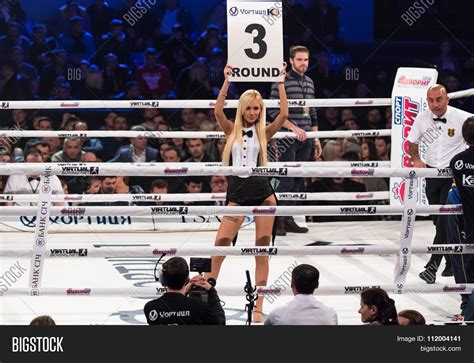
[139, 211]
[66, 251]
[176, 104]
[151, 292]
[186, 134]
[162, 169]
[187, 197]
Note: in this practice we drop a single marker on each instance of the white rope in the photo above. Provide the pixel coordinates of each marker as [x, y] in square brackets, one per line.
[185, 134]
[138, 211]
[152, 292]
[177, 104]
[162, 169]
[201, 197]
[65, 251]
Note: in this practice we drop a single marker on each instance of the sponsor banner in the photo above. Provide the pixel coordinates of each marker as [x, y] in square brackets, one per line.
[41, 232]
[142, 104]
[408, 99]
[73, 211]
[354, 211]
[361, 172]
[270, 171]
[406, 234]
[460, 288]
[78, 291]
[357, 289]
[445, 249]
[69, 104]
[352, 251]
[255, 34]
[293, 196]
[176, 171]
[266, 251]
[264, 211]
[169, 210]
[78, 169]
[70, 252]
[171, 251]
[71, 134]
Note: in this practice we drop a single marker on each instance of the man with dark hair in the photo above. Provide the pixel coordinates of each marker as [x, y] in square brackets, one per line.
[382, 145]
[175, 308]
[300, 121]
[462, 166]
[304, 309]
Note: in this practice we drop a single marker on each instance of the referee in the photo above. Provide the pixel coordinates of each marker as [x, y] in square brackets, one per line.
[437, 131]
[462, 166]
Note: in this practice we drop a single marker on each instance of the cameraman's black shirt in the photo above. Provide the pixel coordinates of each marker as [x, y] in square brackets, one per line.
[176, 309]
[462, 166]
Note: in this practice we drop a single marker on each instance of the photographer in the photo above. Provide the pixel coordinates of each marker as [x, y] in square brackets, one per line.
[175, 307]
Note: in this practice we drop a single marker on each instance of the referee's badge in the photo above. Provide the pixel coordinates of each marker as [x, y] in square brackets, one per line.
[451, 132]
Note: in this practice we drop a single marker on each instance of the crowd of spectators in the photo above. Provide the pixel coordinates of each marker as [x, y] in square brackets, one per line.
[105, 53]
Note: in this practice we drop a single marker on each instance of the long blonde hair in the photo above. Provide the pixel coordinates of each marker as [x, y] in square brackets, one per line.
[236, 135]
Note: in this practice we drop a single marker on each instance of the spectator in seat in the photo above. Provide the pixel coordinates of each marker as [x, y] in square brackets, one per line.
[137, 152]
[382, 145]
[77, 40]
[304, 309]
[159, 186]
[177, 52]
[100, 15]
[11, 39]
[153, 79]
[116, 75]
[112, 144]
[71, 153]
[172, 13]
[89, 144]
[15, 87]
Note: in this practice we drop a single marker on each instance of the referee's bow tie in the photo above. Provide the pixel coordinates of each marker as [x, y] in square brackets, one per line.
[248, 133]
[443, 120]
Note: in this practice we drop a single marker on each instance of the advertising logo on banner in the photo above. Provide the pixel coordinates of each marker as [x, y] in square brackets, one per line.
[255, 40]
[408, 100]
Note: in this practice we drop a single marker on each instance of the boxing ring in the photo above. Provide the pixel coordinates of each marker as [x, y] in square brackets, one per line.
[103, 273]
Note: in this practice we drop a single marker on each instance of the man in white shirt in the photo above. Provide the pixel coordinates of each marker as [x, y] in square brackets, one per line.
[304, 309]
[437, 131]
[29, 184]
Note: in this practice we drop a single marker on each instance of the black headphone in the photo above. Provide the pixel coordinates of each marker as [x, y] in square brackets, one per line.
[159, 273]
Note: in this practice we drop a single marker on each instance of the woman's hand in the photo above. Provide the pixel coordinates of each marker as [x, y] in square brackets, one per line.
[227, 71]
[283, 71]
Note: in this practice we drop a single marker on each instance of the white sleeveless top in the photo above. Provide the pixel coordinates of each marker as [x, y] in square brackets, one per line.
[248, 155]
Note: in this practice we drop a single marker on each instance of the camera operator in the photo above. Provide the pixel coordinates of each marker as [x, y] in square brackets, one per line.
[175, 307]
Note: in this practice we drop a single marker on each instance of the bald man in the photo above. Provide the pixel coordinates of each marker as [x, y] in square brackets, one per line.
[437, 130]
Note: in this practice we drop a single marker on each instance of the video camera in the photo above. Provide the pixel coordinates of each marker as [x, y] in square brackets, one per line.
[200, 265]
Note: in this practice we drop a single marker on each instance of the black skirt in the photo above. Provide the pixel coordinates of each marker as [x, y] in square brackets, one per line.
[249, 191]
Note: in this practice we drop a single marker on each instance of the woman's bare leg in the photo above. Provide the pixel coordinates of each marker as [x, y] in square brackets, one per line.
[227, 231]
[264, 226]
